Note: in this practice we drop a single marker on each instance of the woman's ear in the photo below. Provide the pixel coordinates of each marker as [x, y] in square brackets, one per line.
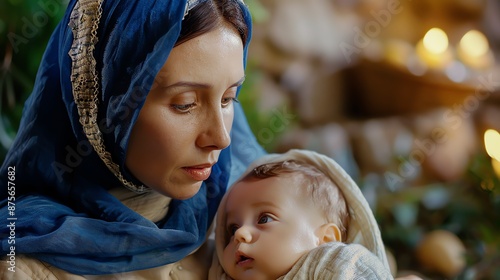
[328, 233]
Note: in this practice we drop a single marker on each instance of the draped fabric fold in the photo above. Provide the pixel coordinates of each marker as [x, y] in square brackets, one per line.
[64, 213]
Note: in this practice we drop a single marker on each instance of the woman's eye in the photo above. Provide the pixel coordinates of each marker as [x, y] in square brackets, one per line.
[226, 101]
[264, 219]
[183, 108]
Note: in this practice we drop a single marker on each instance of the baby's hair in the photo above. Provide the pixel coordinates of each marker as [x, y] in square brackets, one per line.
[323, 191]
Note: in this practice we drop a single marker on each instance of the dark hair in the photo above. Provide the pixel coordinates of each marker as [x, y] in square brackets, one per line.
[322, 191]
[210, 14]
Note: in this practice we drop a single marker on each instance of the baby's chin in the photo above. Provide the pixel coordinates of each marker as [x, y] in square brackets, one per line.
[255, 274]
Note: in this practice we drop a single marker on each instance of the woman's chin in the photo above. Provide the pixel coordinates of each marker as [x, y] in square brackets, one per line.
[181, 192]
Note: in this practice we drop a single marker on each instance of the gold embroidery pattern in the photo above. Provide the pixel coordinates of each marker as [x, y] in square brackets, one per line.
[84, 22]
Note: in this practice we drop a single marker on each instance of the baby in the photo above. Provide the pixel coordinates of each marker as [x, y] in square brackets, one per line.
[288, 220]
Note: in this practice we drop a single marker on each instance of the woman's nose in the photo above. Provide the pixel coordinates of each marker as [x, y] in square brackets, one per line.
[216, 131]
[243, 235]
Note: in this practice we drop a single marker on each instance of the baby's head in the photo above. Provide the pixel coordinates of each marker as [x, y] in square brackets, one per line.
[277, 213]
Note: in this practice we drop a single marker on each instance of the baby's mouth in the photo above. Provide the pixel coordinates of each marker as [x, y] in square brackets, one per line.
[242, 259]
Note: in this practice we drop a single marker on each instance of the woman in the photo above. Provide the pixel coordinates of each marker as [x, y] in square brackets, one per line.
[123, 152]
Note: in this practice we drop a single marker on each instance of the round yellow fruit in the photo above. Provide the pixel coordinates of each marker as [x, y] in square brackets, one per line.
[443, 252]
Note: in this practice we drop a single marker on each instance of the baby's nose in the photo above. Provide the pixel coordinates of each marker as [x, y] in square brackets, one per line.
[243, 235]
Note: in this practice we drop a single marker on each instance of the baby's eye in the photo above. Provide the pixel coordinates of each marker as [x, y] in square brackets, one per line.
[231, 229]
[264, 219]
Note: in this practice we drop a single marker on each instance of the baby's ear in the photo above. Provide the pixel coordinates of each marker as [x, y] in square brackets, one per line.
[328, 233]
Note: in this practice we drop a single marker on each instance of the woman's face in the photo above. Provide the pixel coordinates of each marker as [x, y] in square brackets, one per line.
[187, 116]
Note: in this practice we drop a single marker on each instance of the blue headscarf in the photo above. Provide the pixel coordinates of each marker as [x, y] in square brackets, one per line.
[55, 186]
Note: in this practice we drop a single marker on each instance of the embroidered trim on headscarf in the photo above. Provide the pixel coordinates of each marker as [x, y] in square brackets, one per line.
[191, 4]
[84, 21]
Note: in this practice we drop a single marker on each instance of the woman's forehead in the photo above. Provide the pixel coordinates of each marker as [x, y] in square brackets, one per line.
[208, 54]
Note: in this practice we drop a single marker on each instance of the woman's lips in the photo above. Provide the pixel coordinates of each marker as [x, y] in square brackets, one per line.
[199, 173]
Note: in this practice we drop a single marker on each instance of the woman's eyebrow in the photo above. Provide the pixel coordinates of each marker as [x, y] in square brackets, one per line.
[201, 85]
[188, 84]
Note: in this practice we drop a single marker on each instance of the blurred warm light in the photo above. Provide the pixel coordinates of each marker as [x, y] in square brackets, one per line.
[435, 41]
[398, 52]
[474, 43]
[474, 50]
[496, 166]
[488, 184]
[433, 50]
[492, 143]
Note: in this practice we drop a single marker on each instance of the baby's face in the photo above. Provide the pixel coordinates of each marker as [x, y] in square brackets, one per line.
[270, 225]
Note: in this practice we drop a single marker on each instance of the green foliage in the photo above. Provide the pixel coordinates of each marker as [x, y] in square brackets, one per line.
[259, 12]
[267, 126]
[469, 208]
[25, 28]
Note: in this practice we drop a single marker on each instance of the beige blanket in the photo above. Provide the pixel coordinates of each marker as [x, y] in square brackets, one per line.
[337, 260]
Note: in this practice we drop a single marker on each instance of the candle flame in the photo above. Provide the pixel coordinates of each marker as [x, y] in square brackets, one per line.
[435, 41]
[492, 143]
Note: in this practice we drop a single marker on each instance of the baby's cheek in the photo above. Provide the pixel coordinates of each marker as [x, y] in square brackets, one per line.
[228, 255]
